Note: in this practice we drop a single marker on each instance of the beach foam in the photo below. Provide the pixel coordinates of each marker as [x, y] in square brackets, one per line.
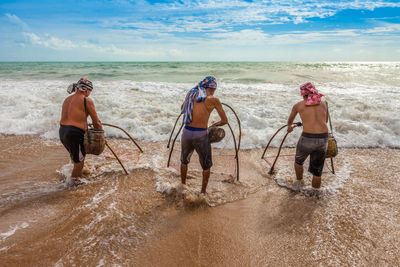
[364, 100]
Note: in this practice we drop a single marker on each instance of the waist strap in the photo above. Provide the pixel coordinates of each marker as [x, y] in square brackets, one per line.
[195, 129]
[314, 135]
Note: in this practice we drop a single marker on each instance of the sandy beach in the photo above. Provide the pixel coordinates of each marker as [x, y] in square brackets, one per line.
[144, 219]
[148, 68]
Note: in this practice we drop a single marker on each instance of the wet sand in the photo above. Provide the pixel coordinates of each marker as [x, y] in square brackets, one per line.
[119, 219]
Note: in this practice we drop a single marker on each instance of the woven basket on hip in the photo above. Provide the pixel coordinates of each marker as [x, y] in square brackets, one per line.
[332, 150]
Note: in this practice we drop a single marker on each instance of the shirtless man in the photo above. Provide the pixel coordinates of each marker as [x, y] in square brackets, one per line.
[196, 110]
[73, 122]
[314, 139]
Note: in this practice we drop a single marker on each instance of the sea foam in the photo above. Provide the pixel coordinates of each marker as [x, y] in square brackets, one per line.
[363, 112]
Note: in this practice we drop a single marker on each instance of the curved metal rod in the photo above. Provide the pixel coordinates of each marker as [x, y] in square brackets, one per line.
[173, 144]
[173, 130]
[115, 155]
[297, 124]
[238, 120]
[269, 142]
[236, 151]
[130, 137]
[279, 152]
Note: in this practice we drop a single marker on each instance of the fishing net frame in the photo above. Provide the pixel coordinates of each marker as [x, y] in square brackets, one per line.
[272, 165]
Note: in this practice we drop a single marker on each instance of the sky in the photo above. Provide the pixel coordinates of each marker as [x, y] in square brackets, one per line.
[202, 30]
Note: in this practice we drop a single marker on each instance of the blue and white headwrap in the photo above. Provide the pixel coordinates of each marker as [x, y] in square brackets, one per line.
[200, 92]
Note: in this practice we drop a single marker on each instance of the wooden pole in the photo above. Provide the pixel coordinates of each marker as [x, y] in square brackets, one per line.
[115, 155]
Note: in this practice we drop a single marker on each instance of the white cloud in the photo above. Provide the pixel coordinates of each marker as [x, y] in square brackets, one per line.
[252, 37]
[261, 11]
[63, 44]
[16, 20]
[259, 38]
[50, 42]
[386, 28]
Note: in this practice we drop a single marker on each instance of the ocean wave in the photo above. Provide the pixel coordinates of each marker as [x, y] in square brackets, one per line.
[363, 115]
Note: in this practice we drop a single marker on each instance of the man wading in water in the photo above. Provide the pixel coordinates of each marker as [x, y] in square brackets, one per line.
[314, 139]
[196, 110]
[73, 122]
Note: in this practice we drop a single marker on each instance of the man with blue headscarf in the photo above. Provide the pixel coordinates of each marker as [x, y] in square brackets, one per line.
[196, 110]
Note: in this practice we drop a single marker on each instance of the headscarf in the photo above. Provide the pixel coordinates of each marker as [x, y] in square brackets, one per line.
[313, 97]
[200, 92]
[83, 84]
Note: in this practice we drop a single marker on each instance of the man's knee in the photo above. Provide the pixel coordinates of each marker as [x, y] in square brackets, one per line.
[297, 165]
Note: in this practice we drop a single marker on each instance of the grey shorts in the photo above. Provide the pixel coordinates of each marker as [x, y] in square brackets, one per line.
[199, 141]
[314, 145]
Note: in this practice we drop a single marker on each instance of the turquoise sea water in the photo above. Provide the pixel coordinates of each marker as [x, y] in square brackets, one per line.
[190, 72]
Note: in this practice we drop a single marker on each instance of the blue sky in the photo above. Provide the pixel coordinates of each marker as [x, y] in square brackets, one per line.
[202, 30]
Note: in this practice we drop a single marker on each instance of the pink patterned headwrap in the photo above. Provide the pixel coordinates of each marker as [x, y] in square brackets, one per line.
[308, 89]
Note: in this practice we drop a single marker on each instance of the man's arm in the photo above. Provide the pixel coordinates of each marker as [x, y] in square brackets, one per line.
[184, 102]
[291, 118]
[221, 113]
[93, 114]
[327, 111]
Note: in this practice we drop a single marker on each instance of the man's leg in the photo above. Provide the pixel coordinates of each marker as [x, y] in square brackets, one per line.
[184, 168]
[206, 176]
[316, 181]
[317, 161]
[299, 171]
[77, 171]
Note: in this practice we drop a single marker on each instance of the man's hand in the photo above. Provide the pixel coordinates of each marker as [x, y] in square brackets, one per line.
[216, 124]
[292, 115]
[290, 128]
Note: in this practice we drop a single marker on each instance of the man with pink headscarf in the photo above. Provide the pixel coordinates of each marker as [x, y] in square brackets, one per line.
[313, 141]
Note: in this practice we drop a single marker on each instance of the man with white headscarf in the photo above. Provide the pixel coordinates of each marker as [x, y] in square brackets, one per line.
[73, 122]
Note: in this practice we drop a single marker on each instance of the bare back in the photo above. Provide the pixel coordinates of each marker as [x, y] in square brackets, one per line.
[314, 118]
[203, 109]
[73, 112]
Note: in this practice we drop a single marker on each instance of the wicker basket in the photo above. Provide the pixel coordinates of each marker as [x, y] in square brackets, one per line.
[94, 141]
[216, 134]
[332, 150]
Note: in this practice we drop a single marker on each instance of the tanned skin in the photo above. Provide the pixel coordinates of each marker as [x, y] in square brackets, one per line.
[73, 114]
[314, 119]
[201, 115]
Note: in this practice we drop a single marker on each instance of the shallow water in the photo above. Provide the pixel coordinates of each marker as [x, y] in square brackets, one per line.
[145, 218]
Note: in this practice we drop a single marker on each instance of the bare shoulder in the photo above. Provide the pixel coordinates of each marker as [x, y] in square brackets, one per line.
[298, 105]
[214, 100]
[89, 101]
[67, 99]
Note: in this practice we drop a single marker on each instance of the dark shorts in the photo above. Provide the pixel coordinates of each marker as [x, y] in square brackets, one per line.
[72, 139]
[196, 140]
[314, 145]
